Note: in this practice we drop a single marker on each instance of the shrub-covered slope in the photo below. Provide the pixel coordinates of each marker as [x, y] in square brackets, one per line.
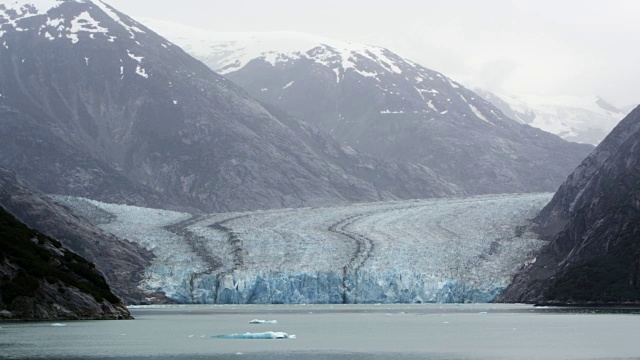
[42, 280]
[593, 223]
[121, 261]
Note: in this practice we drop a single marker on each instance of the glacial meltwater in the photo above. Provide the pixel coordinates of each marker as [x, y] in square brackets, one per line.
[425, 331]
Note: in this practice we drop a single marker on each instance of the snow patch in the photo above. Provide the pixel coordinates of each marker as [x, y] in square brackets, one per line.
[479, 114]
[337, 71]
[132, 29]
[142, 72]
[134, 57]
[288, 85]
[85, 23]
[431, 106]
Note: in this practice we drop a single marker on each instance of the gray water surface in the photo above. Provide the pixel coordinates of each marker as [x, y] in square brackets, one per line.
[395, 332]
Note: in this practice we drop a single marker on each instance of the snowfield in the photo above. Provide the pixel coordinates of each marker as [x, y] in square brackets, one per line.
[441, 250]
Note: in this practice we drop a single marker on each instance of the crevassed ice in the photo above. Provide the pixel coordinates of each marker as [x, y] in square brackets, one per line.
[443, 250]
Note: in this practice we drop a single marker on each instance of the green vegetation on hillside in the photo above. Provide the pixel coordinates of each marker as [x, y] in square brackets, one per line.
[30, 251]
[604, 279]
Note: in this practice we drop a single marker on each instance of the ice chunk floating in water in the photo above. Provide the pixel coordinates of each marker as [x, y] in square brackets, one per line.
[264, 335]
[58, 325]
[268, 322]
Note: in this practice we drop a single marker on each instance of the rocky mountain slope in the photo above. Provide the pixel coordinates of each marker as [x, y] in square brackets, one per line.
[42, 280]
[379, 103]
[593, 223]
[95, 104]
[579, 119]
[120, 261]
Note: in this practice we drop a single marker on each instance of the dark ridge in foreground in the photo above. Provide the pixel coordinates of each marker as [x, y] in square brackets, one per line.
[42, 280]
[593, 224]
[121, 261]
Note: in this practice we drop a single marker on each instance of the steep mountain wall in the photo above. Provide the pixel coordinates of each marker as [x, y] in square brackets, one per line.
[593, 223]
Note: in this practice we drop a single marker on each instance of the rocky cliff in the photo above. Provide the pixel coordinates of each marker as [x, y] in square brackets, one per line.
[120, 261]
[41, 280]
[593, 224]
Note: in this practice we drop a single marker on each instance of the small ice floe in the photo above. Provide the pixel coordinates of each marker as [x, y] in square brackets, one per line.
[445, 322]
[58, 325]
[483, 313]
[264, 335]
[262, 322]
[191, 336]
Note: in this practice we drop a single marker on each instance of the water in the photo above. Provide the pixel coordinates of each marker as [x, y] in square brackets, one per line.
[395, 332]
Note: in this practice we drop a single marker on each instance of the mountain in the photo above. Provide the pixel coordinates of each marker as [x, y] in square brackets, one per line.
[585, 120]
[120, 261]
[42, 280]
[381, 104]
[629, 108]
[593, 223]
[94, 104]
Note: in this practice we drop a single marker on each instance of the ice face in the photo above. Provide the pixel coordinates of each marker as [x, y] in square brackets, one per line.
[444, 250]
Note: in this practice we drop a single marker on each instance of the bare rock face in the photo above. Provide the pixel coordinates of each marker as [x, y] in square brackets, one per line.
[96, 105]
[42, 280]
[593, 224]
[120, 261]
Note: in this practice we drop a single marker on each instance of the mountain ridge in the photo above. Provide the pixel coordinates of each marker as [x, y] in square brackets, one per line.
[378, 103]
[579, 119]
[592, 223]
[128, 117]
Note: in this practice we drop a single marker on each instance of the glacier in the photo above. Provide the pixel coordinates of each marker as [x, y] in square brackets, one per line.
[461, 250]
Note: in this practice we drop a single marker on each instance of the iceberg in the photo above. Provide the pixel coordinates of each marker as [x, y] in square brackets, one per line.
[264, 335]
[268, 322]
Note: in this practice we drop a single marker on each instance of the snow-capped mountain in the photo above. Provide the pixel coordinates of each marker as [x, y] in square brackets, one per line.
[580, 119]
[379, 103]
[97, 105]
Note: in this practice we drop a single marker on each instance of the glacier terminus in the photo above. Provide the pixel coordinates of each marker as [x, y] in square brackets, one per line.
[439, 250]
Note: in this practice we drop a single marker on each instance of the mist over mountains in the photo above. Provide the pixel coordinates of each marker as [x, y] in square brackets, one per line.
[585, 120]
[379, 103]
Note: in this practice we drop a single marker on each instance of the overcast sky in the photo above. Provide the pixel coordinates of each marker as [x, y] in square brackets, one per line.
[541, 47]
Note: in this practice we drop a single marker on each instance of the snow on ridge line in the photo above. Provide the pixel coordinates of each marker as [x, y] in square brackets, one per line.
[236, 49]
[83, 22]
[41, 6]
[132, 29]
